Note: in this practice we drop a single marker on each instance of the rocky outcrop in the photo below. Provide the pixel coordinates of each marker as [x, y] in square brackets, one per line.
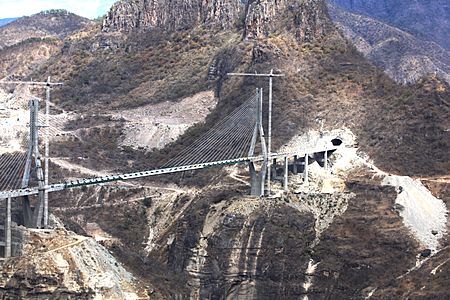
[259, 17]
[307, 19]
[170, 15]
[240, 248]
[310, 20]
[58, 264]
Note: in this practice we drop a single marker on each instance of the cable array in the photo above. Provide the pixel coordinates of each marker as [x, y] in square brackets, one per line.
[12, 166]
[230, 138]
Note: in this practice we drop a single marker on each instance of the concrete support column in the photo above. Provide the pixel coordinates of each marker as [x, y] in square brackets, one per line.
[274, 169]
[294, 166]
[325, 160]
[286, 173]
[27, 213]
[305, 173]
[256, 181]
[8, 229]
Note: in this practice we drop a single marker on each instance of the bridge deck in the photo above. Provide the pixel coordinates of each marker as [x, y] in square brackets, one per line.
[121, 177]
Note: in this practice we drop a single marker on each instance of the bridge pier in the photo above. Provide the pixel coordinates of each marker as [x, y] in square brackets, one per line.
[305, 170]
[257, 179]
[286, 173]
[274, 169]
[8, 228]
[27, 212]
[295, 165]
[39, 209]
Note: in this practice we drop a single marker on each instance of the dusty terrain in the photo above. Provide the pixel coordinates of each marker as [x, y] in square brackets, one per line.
[156, 125]
[14, 120]
[147, 128]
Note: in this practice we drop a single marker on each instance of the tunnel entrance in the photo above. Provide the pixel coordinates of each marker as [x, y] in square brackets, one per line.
[336, 142]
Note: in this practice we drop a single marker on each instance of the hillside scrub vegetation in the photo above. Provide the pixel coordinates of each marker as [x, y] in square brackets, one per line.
[402, 127]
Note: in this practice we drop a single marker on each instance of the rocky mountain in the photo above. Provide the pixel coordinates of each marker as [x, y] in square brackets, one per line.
[426, 19]
[375, 225]
[3, 22]
[29, 41]
[405, 57]
[52, 23]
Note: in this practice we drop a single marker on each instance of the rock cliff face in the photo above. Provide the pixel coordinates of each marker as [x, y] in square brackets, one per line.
[308, 19]
[171, 15]
[57, 264]
[341, 237]
[427, 19]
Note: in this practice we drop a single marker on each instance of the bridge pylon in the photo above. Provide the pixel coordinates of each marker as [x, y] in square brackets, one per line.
[33, 219]
[257, 178]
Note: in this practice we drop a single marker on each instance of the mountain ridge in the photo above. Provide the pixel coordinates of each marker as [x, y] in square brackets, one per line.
[52, 23]
[404, 57]
[121, 69]
[28, 42]
[426, 19]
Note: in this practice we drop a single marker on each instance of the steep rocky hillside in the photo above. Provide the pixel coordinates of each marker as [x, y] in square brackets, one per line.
[404, 57]
[56, 261]
[27, 56]
[349, 234]
[348, 242]
[426, 19]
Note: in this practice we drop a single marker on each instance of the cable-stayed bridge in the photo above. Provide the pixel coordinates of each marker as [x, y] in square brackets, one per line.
[238, 138]
[229, 142]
